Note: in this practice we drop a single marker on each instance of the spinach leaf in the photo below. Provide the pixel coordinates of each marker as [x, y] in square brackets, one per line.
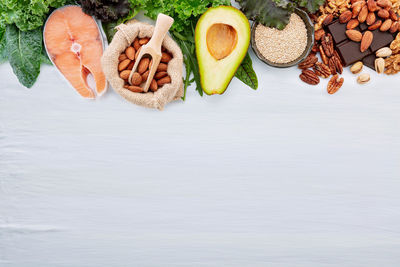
[246, 73]
[3, 52]
[24, 51]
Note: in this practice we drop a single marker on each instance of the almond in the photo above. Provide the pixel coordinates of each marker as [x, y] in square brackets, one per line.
[345, 16]
[130, 66]
[357, 67]
[366, 41]
[354, 35]
[372, 6]
[160, 75]
[130, 52]
[384, 3]
[125, 74]
[123, 64]
[136, 44]
[153, 86]
[395, 27]
[143, 65]
[371, 18]
[353, 23]
[162, 67]
[136, 79]
[386, 25]
[145, 75]
[328, 19]
[144, 41]
[363, 14]
[379, 65]
[383, 13]
[363, 78]
[122, 57]
[375, 26]
[357, 8]
[384, 52]
[133, 88]
[163, 81]
[165, 57]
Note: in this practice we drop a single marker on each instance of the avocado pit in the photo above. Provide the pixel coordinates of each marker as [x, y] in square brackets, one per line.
[221, 40]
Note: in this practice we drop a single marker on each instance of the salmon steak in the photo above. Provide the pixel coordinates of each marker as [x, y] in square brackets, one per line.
[74, 44]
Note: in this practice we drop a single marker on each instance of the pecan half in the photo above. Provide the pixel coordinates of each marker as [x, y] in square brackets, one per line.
[322, 70]
[308, 76]
[336, 64]
[327, 44]
[308, 62]
[334, 84]
[324, 58]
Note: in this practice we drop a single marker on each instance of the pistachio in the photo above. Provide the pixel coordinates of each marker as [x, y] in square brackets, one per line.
[363, 78]
[379, 65]
[384, 52]
[357, 67]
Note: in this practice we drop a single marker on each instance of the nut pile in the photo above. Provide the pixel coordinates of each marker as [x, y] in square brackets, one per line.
[376, 14]
[127, 61]
[331, 63]
[392, 62]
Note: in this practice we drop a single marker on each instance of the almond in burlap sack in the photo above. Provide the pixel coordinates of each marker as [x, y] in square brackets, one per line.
[124, 37]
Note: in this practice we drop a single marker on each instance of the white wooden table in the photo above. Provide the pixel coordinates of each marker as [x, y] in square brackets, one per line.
[283, 176]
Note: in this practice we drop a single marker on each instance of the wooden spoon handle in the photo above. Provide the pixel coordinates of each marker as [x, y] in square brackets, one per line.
[163, 24]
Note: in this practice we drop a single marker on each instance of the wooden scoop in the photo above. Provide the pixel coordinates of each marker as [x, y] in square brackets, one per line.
[153, 48]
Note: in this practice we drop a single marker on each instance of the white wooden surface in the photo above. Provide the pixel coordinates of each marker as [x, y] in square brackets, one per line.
[283, 176]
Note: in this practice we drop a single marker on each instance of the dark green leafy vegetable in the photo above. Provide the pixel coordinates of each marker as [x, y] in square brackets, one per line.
[276, 13]
[246, 73]
[106, 10]
[109, 27]
[3, 52]
[27, 14]
[24, 52]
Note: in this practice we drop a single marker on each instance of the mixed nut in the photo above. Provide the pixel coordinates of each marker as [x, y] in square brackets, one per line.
[363, 21]
[127, 61]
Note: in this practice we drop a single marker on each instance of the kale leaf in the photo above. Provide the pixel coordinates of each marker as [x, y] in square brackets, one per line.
[106, 10]
[276, 13]
[24, 50]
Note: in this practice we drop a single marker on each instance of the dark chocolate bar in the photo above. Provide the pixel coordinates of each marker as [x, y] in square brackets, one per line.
[350, 52]
[381, 39]
[338, 31]
[369, 61]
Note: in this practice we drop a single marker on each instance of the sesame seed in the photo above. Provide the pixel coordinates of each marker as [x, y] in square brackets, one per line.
[282, 46]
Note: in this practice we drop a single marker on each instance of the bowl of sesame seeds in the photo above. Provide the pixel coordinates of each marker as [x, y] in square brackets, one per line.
[284, 48]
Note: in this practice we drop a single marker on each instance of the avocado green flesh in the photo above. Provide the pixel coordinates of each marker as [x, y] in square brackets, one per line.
[222, 39]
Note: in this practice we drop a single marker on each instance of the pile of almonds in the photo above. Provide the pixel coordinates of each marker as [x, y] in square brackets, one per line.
[369, 12]
[139, 78]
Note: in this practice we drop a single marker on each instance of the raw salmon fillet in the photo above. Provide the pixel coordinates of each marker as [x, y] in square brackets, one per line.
[74, 44]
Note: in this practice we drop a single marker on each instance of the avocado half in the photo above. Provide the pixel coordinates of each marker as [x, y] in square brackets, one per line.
[222, 39]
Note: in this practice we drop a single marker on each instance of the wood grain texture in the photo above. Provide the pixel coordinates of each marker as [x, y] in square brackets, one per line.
[283, 176]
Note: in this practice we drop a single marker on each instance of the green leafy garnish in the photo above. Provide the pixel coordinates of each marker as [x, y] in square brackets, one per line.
[24, 50]
[3, 52]
[246, 73]
[276, 13]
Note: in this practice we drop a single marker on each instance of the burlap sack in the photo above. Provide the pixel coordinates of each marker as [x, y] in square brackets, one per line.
[123, 38]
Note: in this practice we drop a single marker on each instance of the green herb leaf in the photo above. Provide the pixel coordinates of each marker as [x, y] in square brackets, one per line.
[268, 12]
[246, 73]
[3, 52]
[24, 52]
[311, 5]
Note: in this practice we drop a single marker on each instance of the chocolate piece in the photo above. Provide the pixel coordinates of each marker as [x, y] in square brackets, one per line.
[338, 31]
[350, 52]
[381, 39]
[369, 61]
[363, 26]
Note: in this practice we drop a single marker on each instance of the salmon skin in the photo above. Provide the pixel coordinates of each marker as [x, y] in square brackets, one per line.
[75, 45]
